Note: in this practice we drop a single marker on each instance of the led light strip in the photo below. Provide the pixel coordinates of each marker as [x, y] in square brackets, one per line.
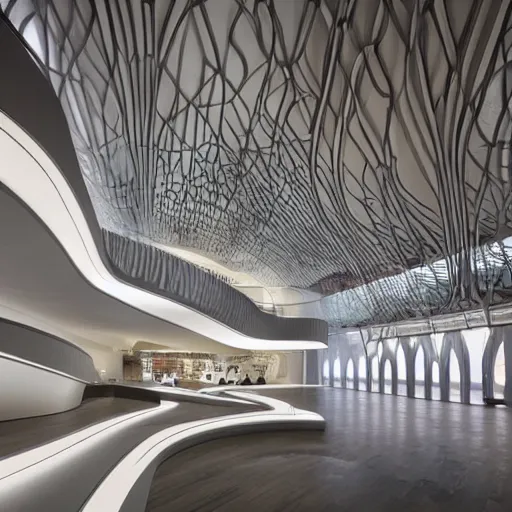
[113, 491]
[28, 171]
[14, 469]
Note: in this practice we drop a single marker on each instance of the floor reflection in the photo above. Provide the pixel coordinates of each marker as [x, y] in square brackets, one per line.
[378, 453]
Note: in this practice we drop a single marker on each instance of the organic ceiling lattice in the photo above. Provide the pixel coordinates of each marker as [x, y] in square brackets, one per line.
[297, 141]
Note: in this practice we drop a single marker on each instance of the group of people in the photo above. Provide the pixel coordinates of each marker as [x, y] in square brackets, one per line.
[170, 380]
[246, 381]
[173, 380]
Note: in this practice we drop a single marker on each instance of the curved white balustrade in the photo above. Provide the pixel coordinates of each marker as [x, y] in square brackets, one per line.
[255, 387]
[128, 482]
[139, 465]
[20, 468]
[191, 395]
[29, 389]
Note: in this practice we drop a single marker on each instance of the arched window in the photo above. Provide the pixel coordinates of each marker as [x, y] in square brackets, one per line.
[325, 372]
[350, 374]
[401, 369]
[362, 374]
[499, 373]
[336, 371]
[436, 390]
[475, 341]
[375, 374]
[419, 374]
[454, 378]
[388, 377]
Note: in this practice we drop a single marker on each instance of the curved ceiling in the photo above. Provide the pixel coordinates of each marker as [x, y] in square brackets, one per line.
[324, 145]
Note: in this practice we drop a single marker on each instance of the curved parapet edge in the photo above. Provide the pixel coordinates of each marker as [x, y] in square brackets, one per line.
[162, 273]
[255, 387]
[127, 486]
[37, 347]
[158, 394]
[29, 389]
[187, 395]
[22, 467]
[32, 176]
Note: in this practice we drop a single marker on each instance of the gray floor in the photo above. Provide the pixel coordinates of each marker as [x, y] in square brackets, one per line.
[379, 453]
[19, 435]
[66, 487]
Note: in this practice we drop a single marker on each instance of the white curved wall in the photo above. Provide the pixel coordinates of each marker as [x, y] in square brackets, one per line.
[27, 390]
[108, 362]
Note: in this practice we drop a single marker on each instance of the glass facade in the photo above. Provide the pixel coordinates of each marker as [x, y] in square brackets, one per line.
[468, 366]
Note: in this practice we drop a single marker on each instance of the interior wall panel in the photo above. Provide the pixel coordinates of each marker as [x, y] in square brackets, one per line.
[107, 362]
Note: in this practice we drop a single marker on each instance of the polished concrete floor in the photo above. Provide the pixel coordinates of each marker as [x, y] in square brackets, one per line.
[379, 453]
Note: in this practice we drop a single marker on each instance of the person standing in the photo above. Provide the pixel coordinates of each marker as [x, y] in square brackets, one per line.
[246, 381]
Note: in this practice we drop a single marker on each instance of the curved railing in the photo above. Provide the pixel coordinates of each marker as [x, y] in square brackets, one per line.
[160, 272]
